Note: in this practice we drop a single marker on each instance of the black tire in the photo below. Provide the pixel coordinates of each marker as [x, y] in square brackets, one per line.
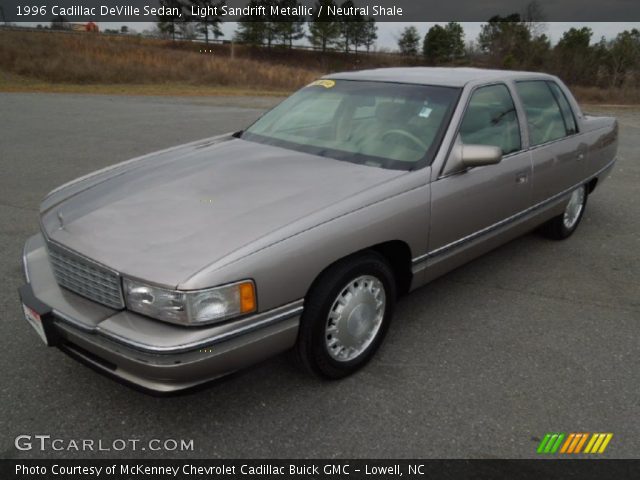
[556, 229]
[311, 351]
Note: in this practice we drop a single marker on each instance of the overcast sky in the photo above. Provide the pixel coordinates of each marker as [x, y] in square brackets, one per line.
[388, 32]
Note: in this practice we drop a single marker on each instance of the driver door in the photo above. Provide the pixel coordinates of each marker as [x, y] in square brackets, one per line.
[466, 205]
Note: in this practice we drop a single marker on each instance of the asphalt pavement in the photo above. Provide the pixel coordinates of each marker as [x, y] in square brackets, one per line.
[534, 337]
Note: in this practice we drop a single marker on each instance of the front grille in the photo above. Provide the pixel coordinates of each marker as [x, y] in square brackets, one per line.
[85, 277]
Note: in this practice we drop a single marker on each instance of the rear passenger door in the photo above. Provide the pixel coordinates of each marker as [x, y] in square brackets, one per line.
[467, 204]
[557, 152]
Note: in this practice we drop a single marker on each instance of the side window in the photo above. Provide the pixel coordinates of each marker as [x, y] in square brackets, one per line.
[491, 119]
[567, 111]
[545, 119]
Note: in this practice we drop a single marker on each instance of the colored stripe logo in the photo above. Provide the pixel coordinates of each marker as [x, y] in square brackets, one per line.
[573, 443]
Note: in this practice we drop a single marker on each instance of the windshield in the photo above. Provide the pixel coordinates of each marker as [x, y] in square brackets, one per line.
[389, 125]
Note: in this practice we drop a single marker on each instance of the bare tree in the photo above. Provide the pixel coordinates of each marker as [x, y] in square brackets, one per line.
[534, 18]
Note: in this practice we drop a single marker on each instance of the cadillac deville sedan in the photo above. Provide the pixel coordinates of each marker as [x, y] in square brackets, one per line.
[300, 232]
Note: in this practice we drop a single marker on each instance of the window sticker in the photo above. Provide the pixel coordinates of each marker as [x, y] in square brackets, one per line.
[322, 83]
[425, 112]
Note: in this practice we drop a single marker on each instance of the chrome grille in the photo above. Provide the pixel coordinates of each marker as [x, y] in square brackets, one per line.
[85, 277]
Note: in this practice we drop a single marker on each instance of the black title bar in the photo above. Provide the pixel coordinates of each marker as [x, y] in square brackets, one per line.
[15, 11]
[320, 469]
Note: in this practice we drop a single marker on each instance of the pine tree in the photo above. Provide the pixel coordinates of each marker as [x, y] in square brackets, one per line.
[169, 23]
[293, 27]
[409, 41]
[442, 44]
[210, 23]
[370, 33]
[324, 29]
[252, 29]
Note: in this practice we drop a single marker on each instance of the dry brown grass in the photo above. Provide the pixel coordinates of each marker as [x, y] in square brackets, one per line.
[82, 59]
[610, 96]
[18, 84]
[91, 63]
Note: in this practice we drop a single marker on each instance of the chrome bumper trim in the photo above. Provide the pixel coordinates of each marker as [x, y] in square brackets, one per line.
[262, 321]
[25, 268]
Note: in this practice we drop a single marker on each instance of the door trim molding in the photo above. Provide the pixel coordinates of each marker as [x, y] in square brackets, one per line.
[517, 216]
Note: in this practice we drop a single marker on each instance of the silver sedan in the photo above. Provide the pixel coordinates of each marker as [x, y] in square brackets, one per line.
[300, 232]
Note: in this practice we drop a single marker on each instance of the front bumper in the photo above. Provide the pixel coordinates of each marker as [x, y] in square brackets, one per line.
[152, 355]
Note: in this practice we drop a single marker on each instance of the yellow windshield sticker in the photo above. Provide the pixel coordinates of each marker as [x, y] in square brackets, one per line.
[323, 83]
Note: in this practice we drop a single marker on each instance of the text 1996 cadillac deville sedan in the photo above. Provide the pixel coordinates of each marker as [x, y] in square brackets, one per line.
[301, 231]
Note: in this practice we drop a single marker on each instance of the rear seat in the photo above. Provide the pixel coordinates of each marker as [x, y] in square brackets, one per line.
[545, 125]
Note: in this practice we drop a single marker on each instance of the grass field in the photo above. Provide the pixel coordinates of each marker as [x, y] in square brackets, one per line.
[89, 63]
[12, 83]
[56, 61]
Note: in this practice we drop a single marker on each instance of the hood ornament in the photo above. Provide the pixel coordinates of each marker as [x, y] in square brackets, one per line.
[61, 220]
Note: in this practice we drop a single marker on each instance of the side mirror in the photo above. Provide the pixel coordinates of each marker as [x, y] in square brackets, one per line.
[479, 155]
[463, 157]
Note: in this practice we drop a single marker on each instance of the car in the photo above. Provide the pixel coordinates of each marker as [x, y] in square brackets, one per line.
[300, 232]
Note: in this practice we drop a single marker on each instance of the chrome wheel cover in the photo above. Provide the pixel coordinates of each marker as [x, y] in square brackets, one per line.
[574, 208]
[355, 318]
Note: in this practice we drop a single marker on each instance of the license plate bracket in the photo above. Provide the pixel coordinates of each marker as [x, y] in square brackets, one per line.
[39, 315]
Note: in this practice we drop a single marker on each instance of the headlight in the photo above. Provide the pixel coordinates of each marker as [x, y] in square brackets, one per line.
[195, 307]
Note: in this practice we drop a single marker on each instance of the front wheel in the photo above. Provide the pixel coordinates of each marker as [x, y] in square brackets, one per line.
[562, 226]
[346, 315]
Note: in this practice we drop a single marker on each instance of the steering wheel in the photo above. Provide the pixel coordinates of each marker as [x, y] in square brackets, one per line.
[407, 135]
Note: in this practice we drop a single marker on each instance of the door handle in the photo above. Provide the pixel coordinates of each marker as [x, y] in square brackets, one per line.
[522, 177]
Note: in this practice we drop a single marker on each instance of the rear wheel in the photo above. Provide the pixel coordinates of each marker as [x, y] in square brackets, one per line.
[562, 226]
[346, 315]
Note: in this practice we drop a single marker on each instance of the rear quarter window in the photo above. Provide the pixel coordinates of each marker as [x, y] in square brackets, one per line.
[544, 117]
[567, 111]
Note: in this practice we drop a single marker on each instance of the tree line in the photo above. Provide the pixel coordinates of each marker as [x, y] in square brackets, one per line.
[518, 42]
[347, 33]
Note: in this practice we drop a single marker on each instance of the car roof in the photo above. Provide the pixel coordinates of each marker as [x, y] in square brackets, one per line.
[442, 76]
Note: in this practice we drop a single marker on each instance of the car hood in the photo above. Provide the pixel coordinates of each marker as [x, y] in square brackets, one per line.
[168, 215]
